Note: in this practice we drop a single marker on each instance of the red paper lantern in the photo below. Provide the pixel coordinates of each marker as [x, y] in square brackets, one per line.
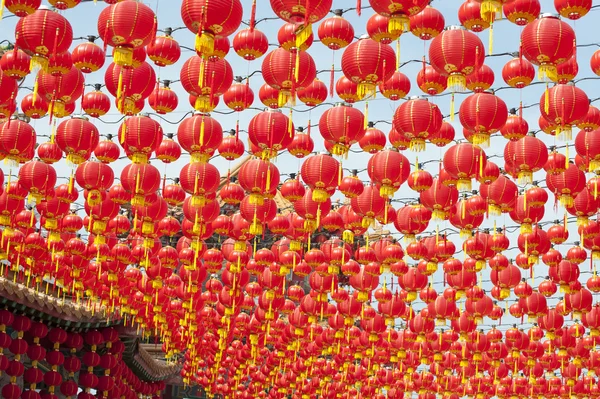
[95, 104]
[528, 155]
[472, 17]
[431, 81]
[564, 106]
[271, 131]
[483, 114]
[239, 96]
[140, 136]
[396, 87]
[521, 12]
[347, 90]
[208, 21]
[514, 128]
[17, 140]
[37, 177]
[231, 147]
[250, 44]
[22, 8]
[164, 51]
[206, 80]
[129, 86]
[140, 180]
[200, 135]
[314, 94]
[342, 126]
[419, 120]
[566, 185]
[163, 100]
[480, 80]
[388, 170]
[456, 53]
[368, 63]
[464, 162]
[336, 32]
[43, 33]
[573, 9]
[427, 24]
[88, 57]
[373, 141]
[378, 29]
[258, 178]
[547, 42]
[15, 63]
[126, 25]
[322, 174]
[287, 72]
[398, 12]
[287, 38]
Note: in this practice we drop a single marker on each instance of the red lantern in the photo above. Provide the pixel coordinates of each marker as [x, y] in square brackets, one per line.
[206, 80]
[481, 80]
[17, 140]
[140, 180]
[322, 174]
[464, 162]
[258, 178]
[472, 17]
[95, 177]
[547, 42]
[287, 72]
[294, 11]
[378, 29]
[61, 90]
[95, 104]
[164, 51]
[419, 120]
[515, 128]
[15, 63]
[239, 96]
[573, 9]
[388, 170]
[126, 25]
[564, 106]
[396, 87]
[518, 73]
[373, 141]
[399, 12]
[521, 12]
[287, 38]
[342, 126]
[427, 24]
[336, 32]
[43, 33]
[528, 155]
[431, 81]
[566, 185]
[483, 114]
[22, 8]
[271, 131]
[37, 177]
[34, 109]
[567, 71]
[314, 94]
[163, 100]
[231, 147]
[129, 86]
[88, 57]
[302, 145]
[250, 44]
[456, 53]
[368, 63]
[140, 136]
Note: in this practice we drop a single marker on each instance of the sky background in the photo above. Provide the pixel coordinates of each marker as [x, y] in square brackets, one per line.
[506, 40]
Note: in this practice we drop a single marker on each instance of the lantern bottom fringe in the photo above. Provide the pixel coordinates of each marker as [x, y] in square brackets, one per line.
[366, 90]
[310, 225]
[205, 44]
[533, 259]
[398, 24]
[464, 185]
[526, 228]
[255, 229]
[564, 133]
[320, 195]
[547, 72]
[490, 9]
[339, 149]
[348, 237]
[257, 199]
[54, 236]
[51, 224]
[457, 82]
[57, 108]
[439, 214]
[138, 158]
[198, 200]
[39, 62]
[411, 296]
[302, 35]
[525, 177]
[387, 191]
[582, 220]
[482, 140]
[409, 238]
[367, 222]
[566, 200]
[295, 245]
[417, 145]
[465, 233]
[123, 56]
[594, 165]
[138, 200]
[204, 104]
[199, 157]
[148, 228]
[595, 255]
[239, 246]
[432, 267]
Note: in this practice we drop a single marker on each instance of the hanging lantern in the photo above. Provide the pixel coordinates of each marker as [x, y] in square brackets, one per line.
[287, 38]
[95, 177]
[140, 136]
[15, 63]
[521, 12]
[515, 128]
[129, 86]
[427, 24]
[163, 100]
[368, 63]
[373, 141]
[322, 174]
[314, 94]
[342, 126]
[301, 14]
[456, 53]
[336, 32]
[258, 178]
[17, 140]
[388, 170]
[239, 96]
[464, 162]
[419, 120]
[126, 25]
[586, 145]
[547, 42]
[430, 81]
[206, 80]
[200, 135]
[43, 33]
[250, 44]
[567, 71]
[287, 72]
[518, 73]
[22, 8]
[481, 80]
[396, 87]
[566, 185]
[88, 57]
[231, 147]
[163, 51]
[484, 114]
[271, 131]
[378, 29]
[398, 12]
[573, 9]
[528, 155]
[347, 90]
[95, 104]
[472, 17]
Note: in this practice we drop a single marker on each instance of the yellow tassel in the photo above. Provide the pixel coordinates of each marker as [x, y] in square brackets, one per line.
[491, 39]
[480, 165]
[290, 124]
[123, 56]
[452, 105]
[36, 86]
[120, 86]
[303, 34]
[366, 120]
[53, 134]
[547, 99]
[340, 174]
[567, 157]
[268, 182]
[202, 131]
[2, 8]
[201, 74]
[123, 129]
[525, 201]
[205, 44]
[398, 54]
[297, 65]
[463, 210]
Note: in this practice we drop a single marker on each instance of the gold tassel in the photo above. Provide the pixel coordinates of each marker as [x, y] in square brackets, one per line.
[547, 99]
[268, 182]
[303, 34]
[291, 124]
[398, 54]
[452, 105]
[201, 74]
[297, 65]
[366, 119]
[2, 8]
[202, 131]
[567, 157]
[491, 39]
[205, 44]
[36, 86]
